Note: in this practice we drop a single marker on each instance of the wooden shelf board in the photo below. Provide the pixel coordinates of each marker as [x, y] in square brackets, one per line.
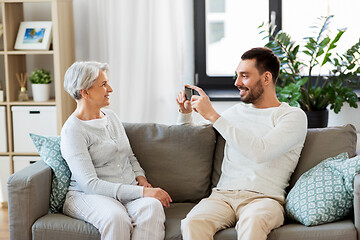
[24, 153]
[24, 1]
[28, 52]
[31, 102]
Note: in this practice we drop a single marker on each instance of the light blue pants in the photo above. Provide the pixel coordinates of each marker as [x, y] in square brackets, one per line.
[139, 219]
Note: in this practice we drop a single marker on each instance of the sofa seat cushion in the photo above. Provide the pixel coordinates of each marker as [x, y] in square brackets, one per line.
[174, 214]
[344, 230]
[60, 227]
[175, 158]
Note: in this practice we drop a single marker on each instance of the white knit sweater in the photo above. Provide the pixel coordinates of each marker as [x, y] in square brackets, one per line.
[262, 146]
[100, 158]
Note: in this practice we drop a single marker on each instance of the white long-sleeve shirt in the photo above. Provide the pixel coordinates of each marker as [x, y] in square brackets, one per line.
[100, 157]
[263, 146]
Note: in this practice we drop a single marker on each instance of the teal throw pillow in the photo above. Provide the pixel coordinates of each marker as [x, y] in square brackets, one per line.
[324, 193]
[49, 150]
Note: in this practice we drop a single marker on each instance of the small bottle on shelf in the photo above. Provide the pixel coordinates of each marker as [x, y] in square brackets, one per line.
[23, 96]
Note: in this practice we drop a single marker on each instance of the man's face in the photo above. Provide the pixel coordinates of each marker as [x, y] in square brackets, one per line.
[248, 81]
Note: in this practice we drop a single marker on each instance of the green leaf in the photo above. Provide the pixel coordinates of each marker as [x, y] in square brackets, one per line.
[307, 53]
[351, 66]
[320, 52]
[40, 76]
[324, 42]
[338, 36]
[326, 59]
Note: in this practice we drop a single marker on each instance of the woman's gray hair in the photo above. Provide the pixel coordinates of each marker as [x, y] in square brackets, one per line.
[81, 76]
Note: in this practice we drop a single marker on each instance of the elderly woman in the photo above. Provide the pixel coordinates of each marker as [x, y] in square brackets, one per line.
[108, 187]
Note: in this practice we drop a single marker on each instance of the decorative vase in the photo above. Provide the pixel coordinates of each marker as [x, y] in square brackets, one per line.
[317, 119]
[23, 96]
[41, 92]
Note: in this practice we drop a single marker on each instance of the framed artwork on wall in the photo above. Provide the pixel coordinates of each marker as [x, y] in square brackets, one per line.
[34, 36]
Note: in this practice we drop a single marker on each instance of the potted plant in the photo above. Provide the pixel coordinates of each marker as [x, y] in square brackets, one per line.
[40, 79]
[314, 94]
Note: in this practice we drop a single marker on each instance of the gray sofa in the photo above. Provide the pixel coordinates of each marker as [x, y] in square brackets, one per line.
[186, 162]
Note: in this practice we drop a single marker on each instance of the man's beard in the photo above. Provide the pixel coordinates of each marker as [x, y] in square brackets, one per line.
[254, 94]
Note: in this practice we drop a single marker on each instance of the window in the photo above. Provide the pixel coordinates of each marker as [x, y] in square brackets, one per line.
[224, 29]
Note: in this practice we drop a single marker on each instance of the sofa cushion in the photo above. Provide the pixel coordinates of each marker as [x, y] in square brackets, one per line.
[176, 158]
[174, 214]
[322, 143]
[60, 227]
[321, 195]
[49, 150]
[324, 193]
[218, 159]
[344, 230]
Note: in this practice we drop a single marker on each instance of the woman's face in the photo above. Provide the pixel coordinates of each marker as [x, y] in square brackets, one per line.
[99, 92]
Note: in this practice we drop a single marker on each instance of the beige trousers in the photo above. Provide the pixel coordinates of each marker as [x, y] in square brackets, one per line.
[254, 214]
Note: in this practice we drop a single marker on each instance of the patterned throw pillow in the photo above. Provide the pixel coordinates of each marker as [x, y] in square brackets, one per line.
[324, 193]
[49, 150]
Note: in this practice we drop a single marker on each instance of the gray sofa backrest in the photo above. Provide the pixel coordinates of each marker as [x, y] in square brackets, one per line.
[176, 158]
[320, 143]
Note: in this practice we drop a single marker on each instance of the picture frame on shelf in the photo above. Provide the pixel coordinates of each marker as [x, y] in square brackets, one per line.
[34, 35]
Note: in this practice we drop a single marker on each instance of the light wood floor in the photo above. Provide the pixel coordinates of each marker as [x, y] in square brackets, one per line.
[4, 224]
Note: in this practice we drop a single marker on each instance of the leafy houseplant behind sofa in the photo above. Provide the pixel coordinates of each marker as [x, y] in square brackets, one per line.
[310, 92]
[186, 162]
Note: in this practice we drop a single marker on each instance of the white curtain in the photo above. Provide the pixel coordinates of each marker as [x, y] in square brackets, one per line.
[149, 47]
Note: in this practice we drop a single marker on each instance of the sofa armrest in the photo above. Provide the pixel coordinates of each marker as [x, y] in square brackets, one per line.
[357, 204]
[29, 194]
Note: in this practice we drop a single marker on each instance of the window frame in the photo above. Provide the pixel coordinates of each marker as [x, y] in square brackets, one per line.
[219, 88]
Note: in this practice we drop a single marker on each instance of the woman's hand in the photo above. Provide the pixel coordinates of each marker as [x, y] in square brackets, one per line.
[143, 182]
[184, 105]
[159, 194]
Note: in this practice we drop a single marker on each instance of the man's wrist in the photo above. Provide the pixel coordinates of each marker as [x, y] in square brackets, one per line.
[214, 117]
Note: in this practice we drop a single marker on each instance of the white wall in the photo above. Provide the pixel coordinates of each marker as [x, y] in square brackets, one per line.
[347, 115]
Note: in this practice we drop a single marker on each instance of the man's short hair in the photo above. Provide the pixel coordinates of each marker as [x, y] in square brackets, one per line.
[266, 60]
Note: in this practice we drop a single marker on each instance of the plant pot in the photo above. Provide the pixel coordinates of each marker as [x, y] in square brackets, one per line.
[317, 119]
[41, 92]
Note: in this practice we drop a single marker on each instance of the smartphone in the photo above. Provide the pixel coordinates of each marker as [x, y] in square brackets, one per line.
[188, 93]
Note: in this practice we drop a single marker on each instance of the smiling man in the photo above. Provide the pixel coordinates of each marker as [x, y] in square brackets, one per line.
[264, 139]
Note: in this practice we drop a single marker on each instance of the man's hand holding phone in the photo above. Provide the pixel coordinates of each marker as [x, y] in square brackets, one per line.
[200, 104]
